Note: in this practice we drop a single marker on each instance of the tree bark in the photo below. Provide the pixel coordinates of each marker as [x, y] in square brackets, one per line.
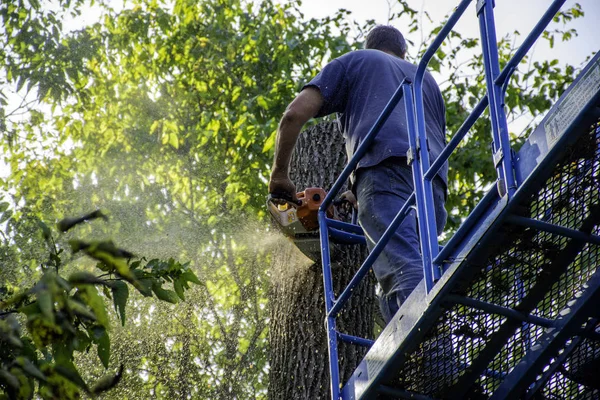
[299, 366]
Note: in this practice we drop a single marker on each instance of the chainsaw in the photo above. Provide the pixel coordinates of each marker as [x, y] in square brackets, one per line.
[298, 220]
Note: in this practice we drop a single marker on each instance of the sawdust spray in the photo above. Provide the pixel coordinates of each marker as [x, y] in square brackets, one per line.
[285, 260]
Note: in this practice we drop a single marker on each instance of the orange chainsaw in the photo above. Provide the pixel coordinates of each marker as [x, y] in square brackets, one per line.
[298, 220]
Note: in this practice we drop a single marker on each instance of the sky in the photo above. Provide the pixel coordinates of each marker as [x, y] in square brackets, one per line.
[521, 15]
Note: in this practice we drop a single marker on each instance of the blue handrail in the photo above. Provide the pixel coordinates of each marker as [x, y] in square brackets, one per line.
[424, 189]
[535, 33]
[501, 141]
[501, 80]
[423, 173]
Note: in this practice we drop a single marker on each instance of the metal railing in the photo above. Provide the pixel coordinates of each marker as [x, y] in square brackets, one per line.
[423, 172]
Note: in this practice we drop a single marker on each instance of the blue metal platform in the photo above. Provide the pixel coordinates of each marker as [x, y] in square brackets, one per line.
[509, 308]
[517, 290]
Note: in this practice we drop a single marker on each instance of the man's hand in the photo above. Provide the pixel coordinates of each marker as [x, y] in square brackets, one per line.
[350, 198]
[282, 187]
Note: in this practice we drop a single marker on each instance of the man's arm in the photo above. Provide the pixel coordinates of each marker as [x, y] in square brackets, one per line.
[305, 106]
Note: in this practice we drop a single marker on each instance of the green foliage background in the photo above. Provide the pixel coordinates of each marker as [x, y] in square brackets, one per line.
[164, 114]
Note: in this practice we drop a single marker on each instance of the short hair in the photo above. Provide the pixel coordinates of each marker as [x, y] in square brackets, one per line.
[386, 38]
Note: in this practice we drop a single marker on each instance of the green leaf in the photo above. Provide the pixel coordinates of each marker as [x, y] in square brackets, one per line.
[270, 142]
[69, 371]
[46, 232]
[90, 295]
[164, 294]
[120, 292]
[190, 277]
[30, 368]
[5, 216]
[30, 309]
[81, 341]
[174, 140]
[46, 305]
[9, 332]
[3, 206]
[9, 379]
[108, 381]
[100, 249]
[178, 286]
[262, 102]
[68, 223]
[63, 354]
[80, 309]
[434, 64]
[43, 90]
[104, 349]
[96, 332]
[110, 255]
[83, 277]
[145, 282]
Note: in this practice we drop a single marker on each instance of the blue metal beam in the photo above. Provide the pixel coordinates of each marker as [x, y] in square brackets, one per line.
[528, 303]
[346, 237]
[429, 273]
[550, 342]
[355, 340]
[552, 228]
[501, 140]
[535, 33]
[330, 325]
[344, 226]
[368, 263]
[496, 309]
[423, 187]
[558, 361]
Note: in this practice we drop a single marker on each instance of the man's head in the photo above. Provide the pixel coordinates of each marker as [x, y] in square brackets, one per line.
[386, 38]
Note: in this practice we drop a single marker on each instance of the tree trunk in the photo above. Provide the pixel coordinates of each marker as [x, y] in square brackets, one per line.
[299, 366]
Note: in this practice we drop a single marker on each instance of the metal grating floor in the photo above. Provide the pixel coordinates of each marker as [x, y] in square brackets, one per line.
[533, 272]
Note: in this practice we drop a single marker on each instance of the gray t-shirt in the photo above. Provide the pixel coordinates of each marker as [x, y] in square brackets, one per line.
[358, 85]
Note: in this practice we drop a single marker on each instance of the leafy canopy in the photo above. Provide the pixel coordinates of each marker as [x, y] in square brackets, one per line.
[164, 113]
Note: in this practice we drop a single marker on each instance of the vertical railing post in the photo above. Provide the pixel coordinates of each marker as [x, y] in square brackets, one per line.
[414, 160]
[427, 229]
[503, 157]
[334, 368]
[425, 203]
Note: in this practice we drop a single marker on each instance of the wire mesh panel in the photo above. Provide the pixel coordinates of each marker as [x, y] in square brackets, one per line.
[577, 377]
[533, 272]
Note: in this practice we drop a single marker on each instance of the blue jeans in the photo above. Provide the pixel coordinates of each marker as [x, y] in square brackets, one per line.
[381, 191]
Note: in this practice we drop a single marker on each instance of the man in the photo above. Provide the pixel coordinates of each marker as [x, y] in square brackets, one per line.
[357, 86]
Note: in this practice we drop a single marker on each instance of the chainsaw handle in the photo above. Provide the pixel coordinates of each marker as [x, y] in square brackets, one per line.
[282, 198]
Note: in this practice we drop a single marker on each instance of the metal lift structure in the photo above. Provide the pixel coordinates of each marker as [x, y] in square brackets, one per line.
[510, 307]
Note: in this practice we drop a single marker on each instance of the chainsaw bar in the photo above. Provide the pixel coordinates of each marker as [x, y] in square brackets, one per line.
[299, 222]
